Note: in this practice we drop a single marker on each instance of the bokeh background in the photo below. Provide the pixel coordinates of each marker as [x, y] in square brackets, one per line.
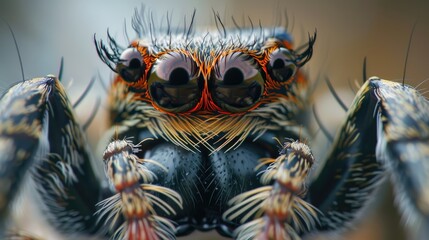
[347, 32]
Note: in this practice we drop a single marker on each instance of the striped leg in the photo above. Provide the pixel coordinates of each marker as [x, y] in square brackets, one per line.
[387, 128]
[278, 210]
[137, 200]
[38, 132]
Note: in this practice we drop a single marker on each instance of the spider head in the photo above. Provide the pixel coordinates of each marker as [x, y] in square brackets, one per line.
[206, 83]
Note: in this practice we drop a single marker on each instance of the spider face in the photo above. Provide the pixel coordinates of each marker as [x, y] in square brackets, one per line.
[214, 103]
[212, 83]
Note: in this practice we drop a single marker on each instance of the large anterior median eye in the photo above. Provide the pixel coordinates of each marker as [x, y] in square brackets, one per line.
[131, 66]
[281, 66]
[173, 82]
[236, 84]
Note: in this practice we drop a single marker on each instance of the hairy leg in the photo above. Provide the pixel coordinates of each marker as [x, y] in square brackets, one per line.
[41, 134]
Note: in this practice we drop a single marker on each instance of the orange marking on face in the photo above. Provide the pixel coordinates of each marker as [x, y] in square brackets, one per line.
[206, 103]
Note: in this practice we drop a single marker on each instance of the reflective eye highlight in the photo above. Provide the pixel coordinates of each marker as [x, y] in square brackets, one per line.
[236, 85]
[282, 65]
[175, 67]
[234, 68]
[131, 66]
[173, 82]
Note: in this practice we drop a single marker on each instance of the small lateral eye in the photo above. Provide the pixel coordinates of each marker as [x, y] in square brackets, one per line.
[131, 66]
[237, 84]
[282, 65]
[174, 83]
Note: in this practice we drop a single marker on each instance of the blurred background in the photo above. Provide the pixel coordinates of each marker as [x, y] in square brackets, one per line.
[347, 31]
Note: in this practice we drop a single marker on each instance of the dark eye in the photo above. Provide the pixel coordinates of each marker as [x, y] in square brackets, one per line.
[236, 85]
[173, 82]
[282, 65]
[131, 66]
